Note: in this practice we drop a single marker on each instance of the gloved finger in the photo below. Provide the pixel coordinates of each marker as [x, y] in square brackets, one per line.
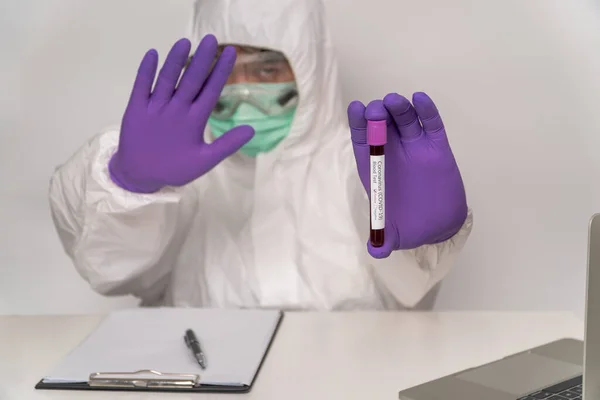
[357, 122]
[404, 115]
[196, 73]
[383, 251]
[377, 112]
[142, 87]
[207, 100]
[170, 72]
[428, 113]
[230, 142]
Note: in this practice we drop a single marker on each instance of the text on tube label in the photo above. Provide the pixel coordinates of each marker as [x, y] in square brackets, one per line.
[377, 192]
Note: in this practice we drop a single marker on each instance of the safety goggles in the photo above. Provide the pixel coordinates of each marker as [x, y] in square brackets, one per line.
[271, 99]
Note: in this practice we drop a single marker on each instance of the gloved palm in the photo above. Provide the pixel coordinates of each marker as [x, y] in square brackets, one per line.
[161, 140]
[425, 197]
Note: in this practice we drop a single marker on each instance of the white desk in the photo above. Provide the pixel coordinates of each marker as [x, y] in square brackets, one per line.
[315, 356]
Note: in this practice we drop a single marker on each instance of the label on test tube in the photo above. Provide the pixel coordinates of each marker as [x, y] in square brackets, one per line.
[377, 192]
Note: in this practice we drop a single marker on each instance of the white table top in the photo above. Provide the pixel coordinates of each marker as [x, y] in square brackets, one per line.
[315, 355]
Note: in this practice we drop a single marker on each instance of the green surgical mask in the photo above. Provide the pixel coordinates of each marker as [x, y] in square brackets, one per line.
[270, 130]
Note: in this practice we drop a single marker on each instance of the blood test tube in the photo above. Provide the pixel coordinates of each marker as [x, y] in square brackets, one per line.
[376, 139]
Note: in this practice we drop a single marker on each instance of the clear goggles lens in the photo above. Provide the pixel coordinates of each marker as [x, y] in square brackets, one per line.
[271, 98]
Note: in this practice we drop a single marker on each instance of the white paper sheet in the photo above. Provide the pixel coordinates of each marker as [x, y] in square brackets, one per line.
[234, 342]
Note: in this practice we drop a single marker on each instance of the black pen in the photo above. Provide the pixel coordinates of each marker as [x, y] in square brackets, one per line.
[192, 342]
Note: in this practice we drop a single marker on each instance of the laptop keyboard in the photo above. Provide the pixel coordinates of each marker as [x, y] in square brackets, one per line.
[570, 389]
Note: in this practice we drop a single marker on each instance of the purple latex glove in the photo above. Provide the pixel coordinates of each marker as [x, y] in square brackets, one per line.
[161, 141]
[425, 197]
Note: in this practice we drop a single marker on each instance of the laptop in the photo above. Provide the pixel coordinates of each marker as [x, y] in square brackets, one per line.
[563, 369]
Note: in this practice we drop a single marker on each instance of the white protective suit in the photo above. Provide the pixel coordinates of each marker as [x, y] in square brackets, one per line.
[286, 230]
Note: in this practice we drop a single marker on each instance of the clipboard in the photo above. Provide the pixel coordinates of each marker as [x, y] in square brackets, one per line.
[151, 380]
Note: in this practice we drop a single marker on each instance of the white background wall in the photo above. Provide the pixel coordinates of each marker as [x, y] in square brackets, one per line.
[517, 82]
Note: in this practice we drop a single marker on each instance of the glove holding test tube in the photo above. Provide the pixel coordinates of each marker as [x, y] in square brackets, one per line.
[424, 200]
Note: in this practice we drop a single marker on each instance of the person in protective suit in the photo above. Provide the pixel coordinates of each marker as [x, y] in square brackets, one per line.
[235, 181]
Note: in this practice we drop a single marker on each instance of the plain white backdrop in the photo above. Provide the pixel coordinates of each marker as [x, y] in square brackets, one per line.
[518, 85]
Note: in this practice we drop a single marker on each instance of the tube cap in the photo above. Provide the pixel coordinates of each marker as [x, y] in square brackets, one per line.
[376, 133]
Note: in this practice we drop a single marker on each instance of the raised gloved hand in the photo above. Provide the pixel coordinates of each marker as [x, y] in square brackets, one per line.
[425, 198]
[161, 141]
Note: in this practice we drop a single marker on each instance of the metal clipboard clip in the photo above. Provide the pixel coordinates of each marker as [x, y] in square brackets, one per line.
[143, 379]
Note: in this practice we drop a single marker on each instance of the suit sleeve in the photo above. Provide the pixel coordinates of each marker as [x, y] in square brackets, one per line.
[121, 243]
